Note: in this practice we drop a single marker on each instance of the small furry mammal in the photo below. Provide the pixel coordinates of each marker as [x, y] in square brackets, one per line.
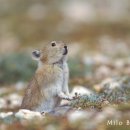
[50, 82]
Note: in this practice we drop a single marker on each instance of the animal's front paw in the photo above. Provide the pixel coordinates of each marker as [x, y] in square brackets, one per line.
[69, 98]
[65, 96]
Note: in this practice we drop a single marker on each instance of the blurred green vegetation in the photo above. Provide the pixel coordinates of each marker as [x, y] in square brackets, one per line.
[16, 67]
[77, 68]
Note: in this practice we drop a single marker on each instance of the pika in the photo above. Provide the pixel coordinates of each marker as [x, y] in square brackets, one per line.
[49, 84]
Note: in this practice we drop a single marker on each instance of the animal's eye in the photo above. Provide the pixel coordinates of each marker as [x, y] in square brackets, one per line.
[53, 44]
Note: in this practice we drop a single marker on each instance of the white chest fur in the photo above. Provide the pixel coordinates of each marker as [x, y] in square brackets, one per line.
[50, 92]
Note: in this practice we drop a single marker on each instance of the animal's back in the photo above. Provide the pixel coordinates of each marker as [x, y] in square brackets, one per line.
[32, 95]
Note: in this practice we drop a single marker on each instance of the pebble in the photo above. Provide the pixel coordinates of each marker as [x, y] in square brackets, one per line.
[27, 114]
[80, 90]
[2, 103]
[14, 100]
[5, 114]
[77, 115]
[7, 117]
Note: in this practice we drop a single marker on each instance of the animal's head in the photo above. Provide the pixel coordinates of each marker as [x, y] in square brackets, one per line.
[51, 53]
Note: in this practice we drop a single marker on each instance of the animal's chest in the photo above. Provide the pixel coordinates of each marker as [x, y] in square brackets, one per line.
[54, 87]
[50, 92]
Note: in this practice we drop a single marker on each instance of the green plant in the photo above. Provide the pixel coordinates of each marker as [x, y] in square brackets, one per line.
[77, 68]
[16, 67]
[88, 101]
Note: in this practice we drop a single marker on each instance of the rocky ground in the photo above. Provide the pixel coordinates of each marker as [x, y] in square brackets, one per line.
[100, 82]
[103, 107]
[98, 33]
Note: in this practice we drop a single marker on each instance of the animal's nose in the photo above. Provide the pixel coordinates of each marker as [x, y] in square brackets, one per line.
[65, 47]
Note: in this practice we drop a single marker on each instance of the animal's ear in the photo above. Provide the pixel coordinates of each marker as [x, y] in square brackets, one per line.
[36, 54]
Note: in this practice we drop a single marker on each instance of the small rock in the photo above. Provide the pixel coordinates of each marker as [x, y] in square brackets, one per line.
[6, 117]
[4, 114]
[77, 115]
[14, 100]
[80, 90]
[2, 103]
[27, 114]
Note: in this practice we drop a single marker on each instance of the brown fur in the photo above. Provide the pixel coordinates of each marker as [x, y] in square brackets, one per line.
[33, 94]
[50, 82]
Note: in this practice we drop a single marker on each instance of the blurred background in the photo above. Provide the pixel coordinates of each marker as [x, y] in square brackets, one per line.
[97, 31]
[98, 36]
